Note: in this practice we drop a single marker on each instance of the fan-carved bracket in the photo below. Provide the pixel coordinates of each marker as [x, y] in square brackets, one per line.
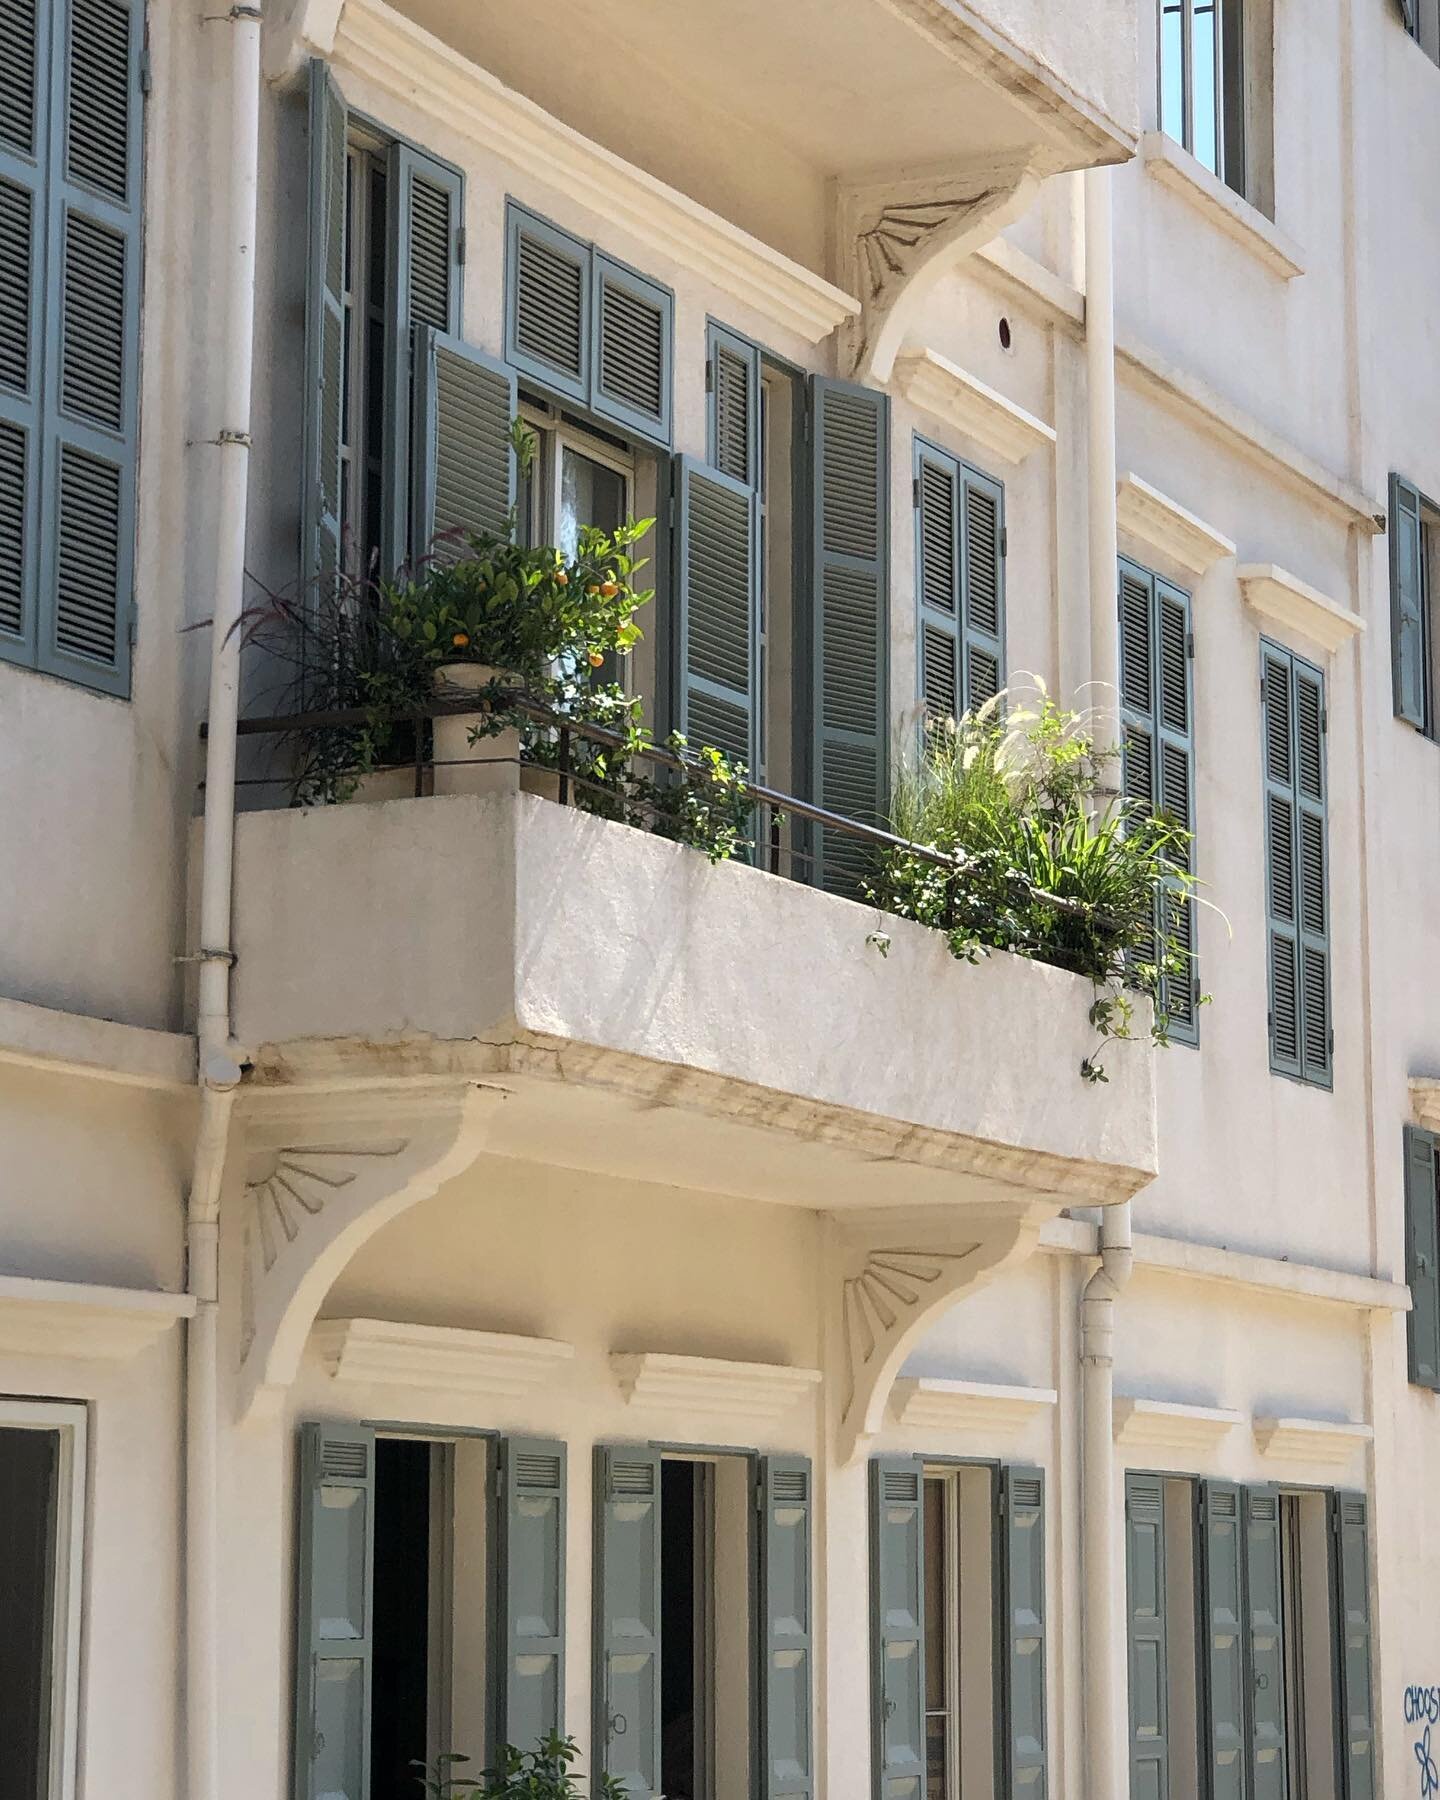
[322, 1174]
[901, 236]
[891, 1284]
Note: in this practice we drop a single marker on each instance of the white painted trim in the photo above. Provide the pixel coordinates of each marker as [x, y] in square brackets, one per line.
[75, 1319]
[41, 1037]
[929, 1403]
[1291, 606]
[1170, 1425]
[1329, 1441]
[940, 387]
[1164, 525]
[1175, 168]
[705, 1384]
[390, 54]
[70, 1423]
[439, 1358]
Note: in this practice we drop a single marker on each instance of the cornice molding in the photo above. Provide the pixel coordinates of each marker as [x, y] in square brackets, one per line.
[438, 1358]
[930, 1403]
[1328, 1441]
[943, 389]
[1171, 1425]
[1290, 606]
[1164, 525]
[90, 1323]
[1175, 168]
[652, 1380]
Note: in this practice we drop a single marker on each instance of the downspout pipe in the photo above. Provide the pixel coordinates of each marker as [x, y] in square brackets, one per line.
[1104, 692]
[219, 1058]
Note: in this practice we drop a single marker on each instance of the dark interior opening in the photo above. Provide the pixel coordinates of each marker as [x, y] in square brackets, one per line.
[400, 1698]
[678, 1621]
[29, 1471]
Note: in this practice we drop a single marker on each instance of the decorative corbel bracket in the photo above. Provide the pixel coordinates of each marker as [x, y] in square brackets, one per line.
[900, 235]
[322, 1173]
[294, 31]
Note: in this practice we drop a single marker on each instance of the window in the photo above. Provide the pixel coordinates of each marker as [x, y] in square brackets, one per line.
[42, 1487]
[1413, 524]
[1422, 1255]
[1422, 21]
[1202, 75]
[959, 1634]
[70, 165]
[960, 582]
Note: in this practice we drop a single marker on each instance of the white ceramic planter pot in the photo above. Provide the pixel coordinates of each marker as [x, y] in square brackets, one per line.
[384, 784]
[491, 765]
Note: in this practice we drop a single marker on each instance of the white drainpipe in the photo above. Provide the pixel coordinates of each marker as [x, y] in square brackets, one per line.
[219, 1061]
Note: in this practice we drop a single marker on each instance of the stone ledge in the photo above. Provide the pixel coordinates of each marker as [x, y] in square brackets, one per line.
[1166, 526]
[1310, 1440]
[929, 1403]
[1169, 1424]
[75, 1319]
[43, 1037]
[1175, 168]
[438, 1358]
[945, 390]
[1292, 606]
[705, 1384]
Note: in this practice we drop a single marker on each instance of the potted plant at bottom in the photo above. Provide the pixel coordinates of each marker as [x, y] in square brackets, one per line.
[545, 1773]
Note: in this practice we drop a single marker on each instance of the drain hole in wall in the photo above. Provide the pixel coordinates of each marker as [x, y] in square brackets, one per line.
[1006, 339]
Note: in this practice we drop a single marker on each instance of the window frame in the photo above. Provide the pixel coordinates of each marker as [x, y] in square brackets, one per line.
[1232, 149]
[1428, 523]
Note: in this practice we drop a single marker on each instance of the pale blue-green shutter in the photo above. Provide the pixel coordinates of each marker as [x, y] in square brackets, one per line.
[1148, 1637]
[1409, 609]
[426, 202]
[547, 303]
[1265, 1629]
[717, 553]
[463, 462]
[335, 1556]
[1023, 1761]
[937, 581]
[1312, 864]
[982, 574]
[1281, 900]
[528, 1610]
[626, 1743]
[1222, 1626]
[632, 334]
[732, 389]
[1350, 1587]
[324, 333]
[897, 1600]
[1422, 1257]
[850, 613]
[787, 1767]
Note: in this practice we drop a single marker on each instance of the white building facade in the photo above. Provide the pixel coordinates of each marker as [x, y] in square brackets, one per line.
[469, 1268]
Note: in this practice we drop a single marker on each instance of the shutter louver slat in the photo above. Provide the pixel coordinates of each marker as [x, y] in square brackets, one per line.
[16, 273]
[785, 1702]
[938, 546]
[92, 380]
[632, 336]
[98, 126]
[24, 134]
[717, 546]
[19, 32]
[1136, 650]
[464, 463]
[431, 236]
[12, 529]
[1422, 1257]
[983, 609]
[1409, 606]
[548, 299]
[88, 561]
[733, 410]
[937, 558]
[1350, 1588]
[1295, 887]
[897, 1602]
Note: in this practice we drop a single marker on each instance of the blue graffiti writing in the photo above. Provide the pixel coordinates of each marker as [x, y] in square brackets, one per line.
[1429, 1774]
[1422, 1703]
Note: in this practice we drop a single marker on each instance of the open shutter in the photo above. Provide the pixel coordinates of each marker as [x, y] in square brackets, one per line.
[1350, 1583]
[787, 1769]
[1021, 1556]
[547, 303]
[983, 586]
[897, 1600]
[626, 1743]
[334, 1647]
[1223, 1628]
[1147, 1637]
[528, 1613]
[1422, 1257]
[1175, 791]
[463, 463]
[850, 610]
[324, 333]
[732, 387]
[1139, 740]
[716, 544]
[1311, 858]
[633, 332]
[937, 582]
[426, 208]
[1265, 1627]
[1408, 622]
[1282, 914]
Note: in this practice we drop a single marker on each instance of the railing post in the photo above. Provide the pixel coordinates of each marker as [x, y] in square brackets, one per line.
[564, 752]
[774, 841]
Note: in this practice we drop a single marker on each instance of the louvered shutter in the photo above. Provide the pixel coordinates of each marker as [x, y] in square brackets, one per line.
[786, 1504]
[528, 1612]
[626, 1741]
[1311, 861]
[1223, 1636]
[983, 587]
[1422, 1257]
[1021, 1558]
[334, 1645]
[1148, 1637]
[632, 332]
[850, 610]
[1281, 906]
[324, 333]
[547, 303]
[897, 1600]
[1409, 647]
[463, 462]
[937, 582]
[1265, 1626]
[1175, 793]
[717, 553]
[732, 385]
[423, 280]
[1350, 1586]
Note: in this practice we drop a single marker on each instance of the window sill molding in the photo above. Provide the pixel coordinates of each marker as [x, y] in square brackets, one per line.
[927, 1403]
[1290, 605]
[706, 1384]
[1164, 525]
[75, 1320]
[938, 386]
[1175, 168]
[438, 1358]
[1172, 1425]
[1328, 1441]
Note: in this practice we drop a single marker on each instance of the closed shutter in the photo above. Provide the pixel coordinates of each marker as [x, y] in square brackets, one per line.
[1409, 621]
[1422, 1257]
[983, 584]
[1281, 901]
[324, 333]
[897, 1552]
[1148, 1639]
[787, 1769]
[1312, 858]
[717, 549]
[426, 206]
[528, 1612]
[937, 582]
[1223, 1640]
[1350, 1583]
[626, 1743]
[732, 385]
[1021, 1557]
[464, 462]
[850, 610]
[632, 332]
[547, 303]
[1139, 749]
[1265, 1627]
[334, 1645]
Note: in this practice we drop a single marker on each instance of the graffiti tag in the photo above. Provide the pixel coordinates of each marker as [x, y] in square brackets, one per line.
[1422, 1707]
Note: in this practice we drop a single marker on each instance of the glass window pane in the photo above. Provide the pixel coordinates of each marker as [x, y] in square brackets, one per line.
[1172, 69]
[1204, 67]
[590, 494]
[29, 1503]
